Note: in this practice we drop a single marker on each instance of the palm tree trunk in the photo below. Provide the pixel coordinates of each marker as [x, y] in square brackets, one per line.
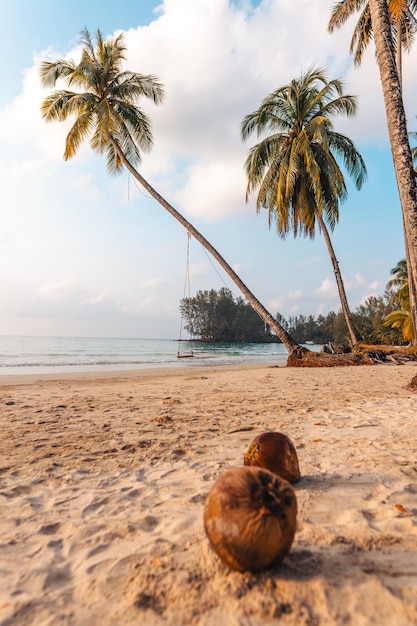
[399, 52]
[355, 336]
[398, 58]
[397, 130]
[291, 345]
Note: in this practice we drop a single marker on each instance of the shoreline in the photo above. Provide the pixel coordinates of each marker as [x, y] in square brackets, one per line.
[103, 479]
[61, 355]
[142, 372]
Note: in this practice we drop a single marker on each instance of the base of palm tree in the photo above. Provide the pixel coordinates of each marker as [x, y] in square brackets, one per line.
[361, 354]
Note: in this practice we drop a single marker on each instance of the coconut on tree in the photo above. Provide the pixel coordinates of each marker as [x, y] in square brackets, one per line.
[102, 98]
[295, 166]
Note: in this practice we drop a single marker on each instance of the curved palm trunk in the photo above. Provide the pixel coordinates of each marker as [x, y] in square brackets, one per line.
[286, 339]
[400, 147]
[355, 336]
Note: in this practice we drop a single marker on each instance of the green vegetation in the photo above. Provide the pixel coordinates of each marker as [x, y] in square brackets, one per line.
[216, 316]
[400, 317]
[219, 317]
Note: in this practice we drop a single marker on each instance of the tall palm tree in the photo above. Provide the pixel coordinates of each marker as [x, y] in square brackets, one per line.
[402, 19]
[400, 146]
[295, 165]
[403, 28]
[103, 104]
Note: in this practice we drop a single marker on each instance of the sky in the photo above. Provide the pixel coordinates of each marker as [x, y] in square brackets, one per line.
[86, 254]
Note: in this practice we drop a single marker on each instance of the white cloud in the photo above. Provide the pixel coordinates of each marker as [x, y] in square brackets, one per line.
[63, 289]
[100, 298]
[87, 188]
[217, 62]
[310, 261]
[375, 286]
[213, 190]
[148, 304]
[275, 305]
[327, 289]
[197, 269]
[149, 283]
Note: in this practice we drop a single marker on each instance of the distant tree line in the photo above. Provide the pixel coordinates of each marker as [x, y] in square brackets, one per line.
[217, 316]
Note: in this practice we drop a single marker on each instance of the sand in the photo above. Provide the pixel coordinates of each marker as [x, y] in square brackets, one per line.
[103, 480]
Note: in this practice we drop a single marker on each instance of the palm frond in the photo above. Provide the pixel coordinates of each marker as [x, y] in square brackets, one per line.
[351, 158]
[342, 11]
[79, 131]
[297, 169]
[50, 72]
[129, 86]
[403, 321]
[362, 36]
[54, 106]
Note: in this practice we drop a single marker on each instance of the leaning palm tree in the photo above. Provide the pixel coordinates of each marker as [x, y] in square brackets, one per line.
[102, 98]
[295, 166]
[403, 25]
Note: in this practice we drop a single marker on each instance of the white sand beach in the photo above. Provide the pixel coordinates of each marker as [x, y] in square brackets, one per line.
[103, 479]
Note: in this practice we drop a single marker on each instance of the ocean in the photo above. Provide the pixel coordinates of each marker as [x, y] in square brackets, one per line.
[48, 355]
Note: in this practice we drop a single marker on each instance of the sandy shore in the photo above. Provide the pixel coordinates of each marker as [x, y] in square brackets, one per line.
[103, 480]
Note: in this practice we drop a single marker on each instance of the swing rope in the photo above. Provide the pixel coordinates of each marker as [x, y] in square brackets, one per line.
[186, 294]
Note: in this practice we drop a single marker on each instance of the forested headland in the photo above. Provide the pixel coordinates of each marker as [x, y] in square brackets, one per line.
[219, 316]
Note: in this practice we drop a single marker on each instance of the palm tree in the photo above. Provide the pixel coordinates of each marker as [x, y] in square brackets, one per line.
[399, 282]
[402, 25]
[104, 106]
[400, 146]
[401, 318]
[402, 19]
[296, 166]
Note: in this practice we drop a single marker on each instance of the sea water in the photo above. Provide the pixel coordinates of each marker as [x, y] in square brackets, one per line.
[45, 355]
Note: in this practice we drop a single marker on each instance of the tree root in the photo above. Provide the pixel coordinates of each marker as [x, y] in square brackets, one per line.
[361, 354]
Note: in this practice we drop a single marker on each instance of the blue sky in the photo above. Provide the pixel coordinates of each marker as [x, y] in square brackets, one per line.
[84, 254]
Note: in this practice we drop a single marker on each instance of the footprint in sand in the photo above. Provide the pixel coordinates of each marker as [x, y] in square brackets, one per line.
[92, 508]
[49, 529]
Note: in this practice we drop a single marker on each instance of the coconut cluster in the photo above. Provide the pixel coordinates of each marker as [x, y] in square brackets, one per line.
[250, 513]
